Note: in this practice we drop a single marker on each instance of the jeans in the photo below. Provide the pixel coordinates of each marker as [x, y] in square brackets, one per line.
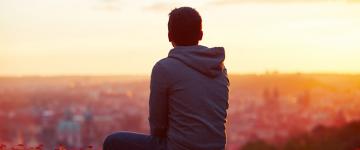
[133, 141]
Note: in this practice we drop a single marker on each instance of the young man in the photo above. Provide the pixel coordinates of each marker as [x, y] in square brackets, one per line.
[188, 94]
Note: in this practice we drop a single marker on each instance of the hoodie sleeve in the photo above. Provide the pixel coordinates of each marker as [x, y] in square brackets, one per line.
[158, 103]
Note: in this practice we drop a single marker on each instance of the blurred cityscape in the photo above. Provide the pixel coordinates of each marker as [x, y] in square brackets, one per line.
[80, 111]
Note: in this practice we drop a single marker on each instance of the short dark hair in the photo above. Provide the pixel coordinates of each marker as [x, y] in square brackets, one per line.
[185, 26]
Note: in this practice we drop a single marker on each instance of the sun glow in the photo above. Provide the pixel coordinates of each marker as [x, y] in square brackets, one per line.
[123, 37]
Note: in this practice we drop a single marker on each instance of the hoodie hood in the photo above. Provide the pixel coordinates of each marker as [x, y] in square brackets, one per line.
[208, 61]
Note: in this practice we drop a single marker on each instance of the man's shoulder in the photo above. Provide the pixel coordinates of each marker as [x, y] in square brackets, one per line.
[166, 62]
[166, 65]
[160, 65]
[163, 68]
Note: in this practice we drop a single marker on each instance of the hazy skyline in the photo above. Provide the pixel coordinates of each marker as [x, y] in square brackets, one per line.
[99, 37]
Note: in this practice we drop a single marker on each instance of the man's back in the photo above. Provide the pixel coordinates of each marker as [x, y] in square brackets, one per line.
[196, 88]
[188, 94]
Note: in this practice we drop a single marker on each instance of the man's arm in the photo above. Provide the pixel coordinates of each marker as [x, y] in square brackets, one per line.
[158, 103]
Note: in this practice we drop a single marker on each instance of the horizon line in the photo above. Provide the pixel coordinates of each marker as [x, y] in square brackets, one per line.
[148, 75]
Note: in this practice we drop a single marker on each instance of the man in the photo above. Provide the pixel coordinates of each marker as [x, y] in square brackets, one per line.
[188, 94]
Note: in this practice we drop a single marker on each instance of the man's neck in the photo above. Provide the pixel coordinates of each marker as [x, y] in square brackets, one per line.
[176, 45]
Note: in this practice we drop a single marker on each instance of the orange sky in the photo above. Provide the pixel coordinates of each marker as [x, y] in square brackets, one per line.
[91, 37]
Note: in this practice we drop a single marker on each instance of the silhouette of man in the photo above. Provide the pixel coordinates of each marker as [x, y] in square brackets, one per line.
[188, 94]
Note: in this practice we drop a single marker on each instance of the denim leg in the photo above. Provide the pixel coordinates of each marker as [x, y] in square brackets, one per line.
[133, 141]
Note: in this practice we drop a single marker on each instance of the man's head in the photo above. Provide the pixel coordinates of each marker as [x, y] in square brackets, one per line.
[185, 27]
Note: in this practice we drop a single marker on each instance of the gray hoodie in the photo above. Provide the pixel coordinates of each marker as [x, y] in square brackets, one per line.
[189, 98]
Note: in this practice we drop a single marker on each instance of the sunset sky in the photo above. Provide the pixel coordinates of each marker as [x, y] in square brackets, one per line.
[109, 37]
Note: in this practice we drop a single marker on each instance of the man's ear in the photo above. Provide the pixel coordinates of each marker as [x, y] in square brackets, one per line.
[170, 37]
[201, 35]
